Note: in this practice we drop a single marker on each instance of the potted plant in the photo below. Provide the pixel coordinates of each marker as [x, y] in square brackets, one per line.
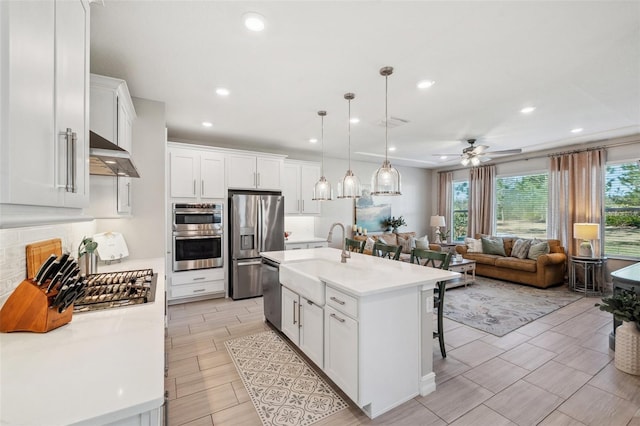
[395, 223]
[444, 235]
[625, 307]
[87, 248]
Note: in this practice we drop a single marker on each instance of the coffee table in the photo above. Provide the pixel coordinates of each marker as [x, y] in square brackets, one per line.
[464, 266]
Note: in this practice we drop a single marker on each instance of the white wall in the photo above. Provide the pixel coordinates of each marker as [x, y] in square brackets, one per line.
[145, 231]
[415, 203]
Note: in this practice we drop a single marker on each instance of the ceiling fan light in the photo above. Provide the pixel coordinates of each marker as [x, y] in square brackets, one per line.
[464, 161]
[386, 180]
[322, 190]
[475, 161]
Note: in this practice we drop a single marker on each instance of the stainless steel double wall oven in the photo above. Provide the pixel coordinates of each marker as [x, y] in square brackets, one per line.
[197, 236]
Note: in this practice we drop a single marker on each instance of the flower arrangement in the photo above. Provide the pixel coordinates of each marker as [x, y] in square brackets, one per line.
[625, 306]
[394, 223]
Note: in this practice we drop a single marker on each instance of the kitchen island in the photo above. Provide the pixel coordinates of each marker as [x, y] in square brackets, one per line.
[104, 367]
[375, 318]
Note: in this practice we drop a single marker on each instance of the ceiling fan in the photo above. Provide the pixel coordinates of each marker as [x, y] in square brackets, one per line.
[476, 154]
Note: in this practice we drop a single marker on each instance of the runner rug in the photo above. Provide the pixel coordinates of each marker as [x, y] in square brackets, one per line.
[282, 387]
[499, 307]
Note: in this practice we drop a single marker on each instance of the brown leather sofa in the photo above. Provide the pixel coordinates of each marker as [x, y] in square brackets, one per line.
[546, 271]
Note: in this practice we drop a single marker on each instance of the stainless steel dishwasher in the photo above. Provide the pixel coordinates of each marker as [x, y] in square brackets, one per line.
[271, 292]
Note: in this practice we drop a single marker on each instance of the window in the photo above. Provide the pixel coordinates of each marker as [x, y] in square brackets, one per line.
[521, 205]
[622, 210]
[460, 210]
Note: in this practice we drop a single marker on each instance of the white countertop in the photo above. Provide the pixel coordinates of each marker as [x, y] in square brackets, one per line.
[101, 367]
[363, 274]
[296, 240]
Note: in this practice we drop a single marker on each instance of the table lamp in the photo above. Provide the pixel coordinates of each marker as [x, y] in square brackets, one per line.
[437, 222]
[586, 232]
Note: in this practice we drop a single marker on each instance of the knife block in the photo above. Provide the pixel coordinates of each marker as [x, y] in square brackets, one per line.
[29, 309]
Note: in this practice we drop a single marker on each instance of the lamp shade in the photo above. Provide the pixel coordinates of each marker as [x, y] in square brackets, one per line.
[437, 221]
[586, 231]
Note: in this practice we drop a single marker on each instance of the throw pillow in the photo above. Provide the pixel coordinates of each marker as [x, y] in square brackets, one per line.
[405, 243]
[521, 248]
[368, 245]
[537, 249]
[389, 239]
[422, 243]
[493, 245]
[473, 245]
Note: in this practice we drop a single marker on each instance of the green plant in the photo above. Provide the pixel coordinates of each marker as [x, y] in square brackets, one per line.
[625, 306]
[395, 223]
[87, 246]
[444, 235]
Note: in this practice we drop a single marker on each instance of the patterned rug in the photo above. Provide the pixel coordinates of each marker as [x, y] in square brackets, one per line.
[282, 387]
[499, 307]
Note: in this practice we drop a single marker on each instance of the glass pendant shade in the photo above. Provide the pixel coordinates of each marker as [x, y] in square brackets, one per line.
[349, 186]
[386, 180]
[322, 190]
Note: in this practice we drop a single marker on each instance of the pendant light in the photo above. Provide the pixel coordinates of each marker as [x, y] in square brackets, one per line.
[349, 186]
[322, 190]
[386, 180]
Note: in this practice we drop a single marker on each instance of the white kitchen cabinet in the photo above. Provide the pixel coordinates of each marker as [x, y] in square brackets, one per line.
[303, 324]
[112, 115]
[254, 172]
[195, 174]
[300, 178]
[305, 245]
[44, 103]
[196, 283]
[341, 347]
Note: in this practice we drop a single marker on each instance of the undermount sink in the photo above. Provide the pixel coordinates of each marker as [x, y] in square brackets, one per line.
[302, 277]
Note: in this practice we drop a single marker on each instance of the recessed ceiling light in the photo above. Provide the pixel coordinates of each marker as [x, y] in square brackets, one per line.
[221, 91]
[392, 148]
[207, 124]
[528, 110]
[443, 157]
[253, 21]
[313, 140]
[425, 84]
[576, 130]
[354, 120]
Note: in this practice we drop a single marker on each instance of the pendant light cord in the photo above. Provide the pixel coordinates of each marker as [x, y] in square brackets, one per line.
[386, 117]
[322, 144]
[349, 133]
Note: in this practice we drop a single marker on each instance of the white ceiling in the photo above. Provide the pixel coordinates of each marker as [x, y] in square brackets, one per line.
[577, 62]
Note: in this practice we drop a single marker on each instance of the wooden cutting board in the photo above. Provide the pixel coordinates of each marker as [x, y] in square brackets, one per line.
[38, 252]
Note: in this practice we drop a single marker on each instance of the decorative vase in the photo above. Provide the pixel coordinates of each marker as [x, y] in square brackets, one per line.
[627, 356]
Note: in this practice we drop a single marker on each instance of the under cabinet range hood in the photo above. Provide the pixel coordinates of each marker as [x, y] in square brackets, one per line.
[108, 159]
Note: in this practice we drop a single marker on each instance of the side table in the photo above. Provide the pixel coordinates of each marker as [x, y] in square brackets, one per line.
[592, 270]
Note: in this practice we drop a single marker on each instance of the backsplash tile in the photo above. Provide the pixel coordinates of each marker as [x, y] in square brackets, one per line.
[13, 265]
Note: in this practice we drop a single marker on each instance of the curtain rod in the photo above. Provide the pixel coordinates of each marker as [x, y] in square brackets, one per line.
[533, 157]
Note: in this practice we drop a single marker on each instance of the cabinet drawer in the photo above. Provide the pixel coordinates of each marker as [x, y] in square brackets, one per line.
[342, 302]
[319, 244]
[197, 289]
[295, 246]
[195, 277]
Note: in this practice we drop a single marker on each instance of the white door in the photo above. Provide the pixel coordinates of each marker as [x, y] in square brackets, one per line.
[183, 170]
[241, 171]
[341, 351]
[291, 189]
[312, 331]
[71, 101]
[269, 173]
[211, 175]
[290, 311]
[309, 175]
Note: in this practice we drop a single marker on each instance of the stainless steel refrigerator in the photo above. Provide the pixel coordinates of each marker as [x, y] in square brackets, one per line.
[256, 225]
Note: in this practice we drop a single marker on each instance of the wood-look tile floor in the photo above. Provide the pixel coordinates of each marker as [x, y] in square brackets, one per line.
[557, 370]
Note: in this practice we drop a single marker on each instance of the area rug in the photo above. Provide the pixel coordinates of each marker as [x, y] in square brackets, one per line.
[282, 387]
[499, 307]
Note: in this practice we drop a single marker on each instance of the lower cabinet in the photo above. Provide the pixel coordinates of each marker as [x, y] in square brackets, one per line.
[196, 283]
[300, 246]
[341, 350]
[303, 324]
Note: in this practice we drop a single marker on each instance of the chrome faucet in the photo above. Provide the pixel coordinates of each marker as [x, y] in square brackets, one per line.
[345, 254]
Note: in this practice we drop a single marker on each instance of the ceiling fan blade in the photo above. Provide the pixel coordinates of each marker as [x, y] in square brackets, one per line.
[479, 149]
[484, 159]
[506, 152]
[446, 155]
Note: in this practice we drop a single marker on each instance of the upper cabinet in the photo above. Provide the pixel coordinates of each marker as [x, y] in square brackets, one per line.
[255, 172]
[195, 174]
[299, 180]
[112, 117]
[44, 141]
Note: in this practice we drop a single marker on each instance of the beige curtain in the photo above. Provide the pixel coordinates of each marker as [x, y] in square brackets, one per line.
[576, 194]
[482, 182]
[445, 196]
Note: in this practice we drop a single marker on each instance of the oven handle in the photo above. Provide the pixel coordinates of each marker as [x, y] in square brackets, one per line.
[203, 212]
[205, 237]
